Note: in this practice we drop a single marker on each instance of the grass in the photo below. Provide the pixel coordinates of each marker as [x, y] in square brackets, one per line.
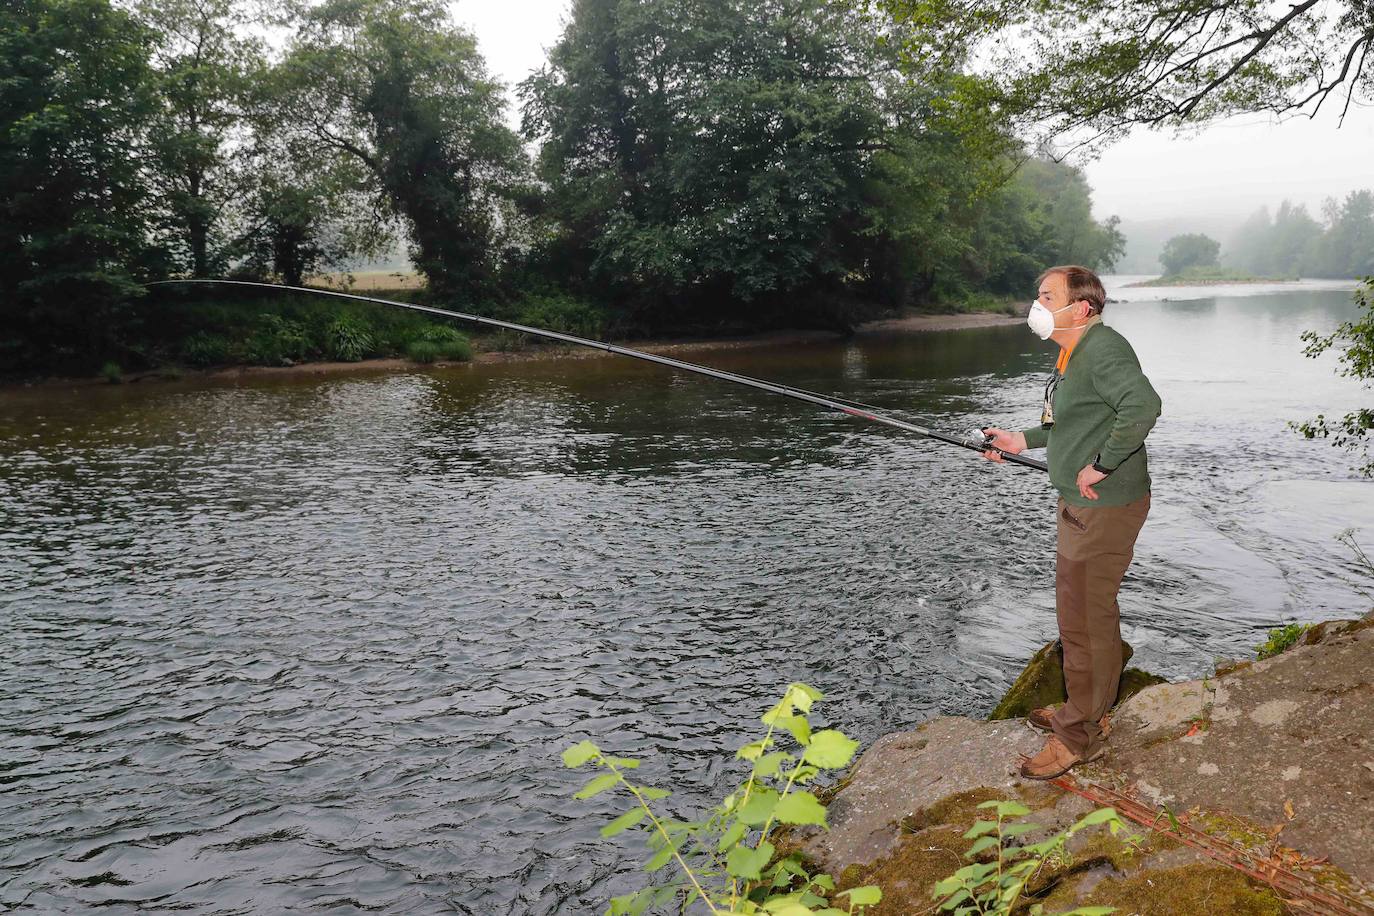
[1195, 276]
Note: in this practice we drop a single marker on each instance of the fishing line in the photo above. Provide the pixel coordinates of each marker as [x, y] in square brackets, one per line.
[975, 439]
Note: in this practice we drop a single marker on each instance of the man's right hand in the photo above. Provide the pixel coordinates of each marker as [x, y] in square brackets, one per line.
[1013, 443]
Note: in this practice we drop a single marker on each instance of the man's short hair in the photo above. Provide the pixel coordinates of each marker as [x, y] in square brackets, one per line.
[1082, 284]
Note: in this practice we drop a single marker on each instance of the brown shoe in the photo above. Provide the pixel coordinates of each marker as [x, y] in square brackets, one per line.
[1054, 759]
[1042, 719]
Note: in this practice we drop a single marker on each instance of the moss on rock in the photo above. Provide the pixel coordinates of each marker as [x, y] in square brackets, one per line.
[1189, 890]
[1042, 682]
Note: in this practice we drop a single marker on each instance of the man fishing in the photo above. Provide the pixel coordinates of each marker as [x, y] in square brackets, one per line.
[1098, 409]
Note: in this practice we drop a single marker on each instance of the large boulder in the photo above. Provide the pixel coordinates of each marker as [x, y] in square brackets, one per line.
[1042, 682]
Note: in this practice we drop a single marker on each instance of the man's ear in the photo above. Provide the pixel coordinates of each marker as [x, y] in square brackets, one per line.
[1084, 310]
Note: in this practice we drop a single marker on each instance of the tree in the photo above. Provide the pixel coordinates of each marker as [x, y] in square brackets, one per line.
[395, 86]
[204, 69]
[1184, 251]
[1356, 337]
[1098, 67]
[74, 103]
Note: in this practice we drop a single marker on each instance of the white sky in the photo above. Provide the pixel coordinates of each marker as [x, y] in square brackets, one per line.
[1229, 170]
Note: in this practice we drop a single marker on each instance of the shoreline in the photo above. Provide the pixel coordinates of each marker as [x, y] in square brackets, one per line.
[910, 324]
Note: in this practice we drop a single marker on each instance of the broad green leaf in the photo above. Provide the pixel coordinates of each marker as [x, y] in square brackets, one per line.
[797, 726]
[946, 887]
[661, 858]
[831, 911]
[759, 807]
[597, 785]
[653, 794]
[743, 862]
[990, 804]
[979, 828]
[804, 696]
[1011, 809]
[579, 754]
[824, 881]
[803, 773]
[732, 835]
[623, 762]
[867, 895]
[625, 821]
[799, 807]
[830, 749]
[1018, 829]
[753, 750]
[780, 711]
[769, 764]
[1101, 815]
[983, 842]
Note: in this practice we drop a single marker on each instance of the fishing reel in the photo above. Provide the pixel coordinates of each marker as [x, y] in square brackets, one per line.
[978, 438]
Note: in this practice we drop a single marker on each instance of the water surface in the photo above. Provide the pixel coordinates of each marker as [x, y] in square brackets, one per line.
[316, 643]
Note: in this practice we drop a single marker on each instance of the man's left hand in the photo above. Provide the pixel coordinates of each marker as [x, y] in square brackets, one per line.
[1087, 478]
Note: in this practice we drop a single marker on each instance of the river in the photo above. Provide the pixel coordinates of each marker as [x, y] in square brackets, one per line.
[316, 643]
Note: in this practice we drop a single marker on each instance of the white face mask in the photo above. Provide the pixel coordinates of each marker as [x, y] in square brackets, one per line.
[1041, 319]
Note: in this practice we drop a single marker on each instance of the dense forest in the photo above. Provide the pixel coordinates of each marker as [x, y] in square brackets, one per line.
[1294, 243]
[684, 165]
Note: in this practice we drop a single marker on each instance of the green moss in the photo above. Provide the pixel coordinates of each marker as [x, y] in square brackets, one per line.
[1189, 890]
[1134, 680]
[957, 810]
[1042, 683]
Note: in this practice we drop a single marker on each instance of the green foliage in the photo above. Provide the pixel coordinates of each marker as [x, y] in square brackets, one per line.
[439, 342]
[995, 886]
[348, 339]
[727, 860]
[402, 92]
[1184, 252]
[1281, 639]
[276, 340]
[112, 373]
[1356, 337]
[1293, 243]
[558, 312]
[74, 225]
[202, 349]
[1094, 68]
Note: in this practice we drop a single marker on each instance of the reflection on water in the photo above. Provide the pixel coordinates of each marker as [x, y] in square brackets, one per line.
[318, 642]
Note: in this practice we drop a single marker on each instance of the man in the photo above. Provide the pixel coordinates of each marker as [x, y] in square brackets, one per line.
[1098, 409]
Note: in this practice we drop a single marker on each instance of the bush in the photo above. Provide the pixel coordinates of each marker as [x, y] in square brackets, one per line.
[448, 343]
[276, 340]
[111, 373]
[1281, 639]
[202, 349]
[727, 858]
[558, 312]
[347, 339]
[423, 351]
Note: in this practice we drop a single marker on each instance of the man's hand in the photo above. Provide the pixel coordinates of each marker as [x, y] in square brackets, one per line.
[1015, 443]
[1086, 479]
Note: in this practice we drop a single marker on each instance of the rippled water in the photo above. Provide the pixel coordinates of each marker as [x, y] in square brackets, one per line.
[317, 643]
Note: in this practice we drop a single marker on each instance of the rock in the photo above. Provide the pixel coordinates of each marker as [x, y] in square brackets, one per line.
[1042, 683]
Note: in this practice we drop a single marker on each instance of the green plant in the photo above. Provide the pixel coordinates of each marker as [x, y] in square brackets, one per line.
[111, 373]
[347, 339]
[1281, 639]
[202, 349]
[726, 860]
[557, 312]
[995, 886]
[448, 343]
[1347, 537]
[423, 351]
[276, 339]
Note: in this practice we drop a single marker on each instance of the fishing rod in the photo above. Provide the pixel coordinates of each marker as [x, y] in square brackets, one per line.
[975, 439]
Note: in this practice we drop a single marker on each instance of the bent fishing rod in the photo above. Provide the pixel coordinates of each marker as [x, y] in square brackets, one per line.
[975, 439]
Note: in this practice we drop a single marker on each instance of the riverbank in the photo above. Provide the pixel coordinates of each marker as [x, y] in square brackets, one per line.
[1259, 783]
[1212, 281]
[910, 324]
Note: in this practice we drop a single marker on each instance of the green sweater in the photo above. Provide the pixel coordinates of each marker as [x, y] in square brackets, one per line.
[1103, 405]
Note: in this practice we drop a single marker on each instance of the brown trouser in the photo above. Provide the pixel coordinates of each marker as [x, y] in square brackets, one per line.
[1095, 547]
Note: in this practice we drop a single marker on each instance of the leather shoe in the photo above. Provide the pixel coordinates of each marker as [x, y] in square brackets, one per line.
[1054, 759]
[1042, 719]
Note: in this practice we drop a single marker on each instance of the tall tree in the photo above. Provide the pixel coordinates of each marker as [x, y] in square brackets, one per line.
[396, 86]
[1186, 251]
[74, 102]
[205, 68]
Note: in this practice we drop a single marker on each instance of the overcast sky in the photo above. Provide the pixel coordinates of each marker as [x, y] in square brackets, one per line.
[1228, 170]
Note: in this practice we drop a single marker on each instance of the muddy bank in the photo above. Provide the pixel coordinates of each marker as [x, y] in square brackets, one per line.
[1272, 762]
[913, 324]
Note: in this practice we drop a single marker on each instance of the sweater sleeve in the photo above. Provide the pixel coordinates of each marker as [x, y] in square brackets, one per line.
[1119, 381]
[1036, 437]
